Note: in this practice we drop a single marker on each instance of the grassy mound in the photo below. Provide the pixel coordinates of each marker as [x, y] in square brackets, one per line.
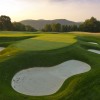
[41, 51]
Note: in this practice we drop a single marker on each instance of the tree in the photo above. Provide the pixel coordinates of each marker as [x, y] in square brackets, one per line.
[5, 23]
[47, 28]
[65, 28]
[90, 25]
[69, 28]
[53, 27]
[74, 28]
[81, 27]
[29, 28]
[18, 26]
[56, 27]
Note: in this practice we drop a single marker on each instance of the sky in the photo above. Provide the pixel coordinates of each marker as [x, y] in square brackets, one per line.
[75, 10]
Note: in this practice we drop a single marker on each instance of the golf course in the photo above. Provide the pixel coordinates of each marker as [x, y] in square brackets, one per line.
[49, 65]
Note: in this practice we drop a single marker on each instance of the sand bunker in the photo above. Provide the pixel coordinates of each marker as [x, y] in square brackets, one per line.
[95, 51]
[93, 42]
[2, 48]
[45, 81]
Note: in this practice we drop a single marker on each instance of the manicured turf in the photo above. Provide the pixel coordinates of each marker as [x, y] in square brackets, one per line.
[57, 38]
[84, 86]
[37, 45]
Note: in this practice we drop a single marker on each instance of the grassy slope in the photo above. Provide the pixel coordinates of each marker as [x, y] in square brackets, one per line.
[79, 87]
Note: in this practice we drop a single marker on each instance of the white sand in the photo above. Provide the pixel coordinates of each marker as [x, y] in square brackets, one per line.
[93, 42]
[95, 51]
[45, 81]
[2, 48]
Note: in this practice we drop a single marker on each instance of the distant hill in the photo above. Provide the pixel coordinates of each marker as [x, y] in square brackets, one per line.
[39, 24]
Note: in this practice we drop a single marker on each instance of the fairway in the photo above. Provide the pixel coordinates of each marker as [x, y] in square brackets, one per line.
[23, 50]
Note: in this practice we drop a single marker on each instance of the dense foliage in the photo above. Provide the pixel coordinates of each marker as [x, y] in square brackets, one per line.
[17, 26]
[90, 25]
[7, 25]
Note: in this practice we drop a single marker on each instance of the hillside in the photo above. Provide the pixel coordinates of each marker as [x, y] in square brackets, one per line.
[39, 24]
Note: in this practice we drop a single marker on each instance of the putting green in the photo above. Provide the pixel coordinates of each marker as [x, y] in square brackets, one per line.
[65, 38]
[38, 45]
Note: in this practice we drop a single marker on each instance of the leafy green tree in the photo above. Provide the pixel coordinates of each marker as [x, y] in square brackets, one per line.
[18, 26]
[81, 27]
[74, 28]
[53, 27]
[90, 25]
[65, 28]
[29, 28]
[56, 27]
[5, 23]
[69, 28]
[47, 28]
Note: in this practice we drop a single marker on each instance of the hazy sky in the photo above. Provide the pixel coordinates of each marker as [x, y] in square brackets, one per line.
[75, 10]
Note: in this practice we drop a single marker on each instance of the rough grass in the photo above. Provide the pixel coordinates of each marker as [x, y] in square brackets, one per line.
[84, 86]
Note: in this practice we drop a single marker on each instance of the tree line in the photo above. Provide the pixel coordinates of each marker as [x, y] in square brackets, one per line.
[7, 25]
[90, 25]
[59, 28]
